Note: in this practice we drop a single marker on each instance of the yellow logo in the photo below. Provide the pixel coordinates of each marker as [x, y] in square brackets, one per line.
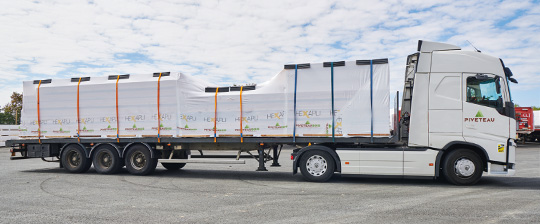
[500, 147]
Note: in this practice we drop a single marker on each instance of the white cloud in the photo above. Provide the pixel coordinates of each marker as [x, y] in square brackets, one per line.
[249, 41]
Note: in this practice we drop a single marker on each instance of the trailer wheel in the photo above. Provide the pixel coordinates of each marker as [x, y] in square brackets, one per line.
[317, 166]
[139, 161]
[74, 159]
[173, 166]
[106, 160]
[462, 167]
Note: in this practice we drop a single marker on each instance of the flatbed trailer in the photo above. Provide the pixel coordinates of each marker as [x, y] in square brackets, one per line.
[452, 99]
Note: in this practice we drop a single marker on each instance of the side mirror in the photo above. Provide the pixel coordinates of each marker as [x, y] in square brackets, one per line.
[499, 105]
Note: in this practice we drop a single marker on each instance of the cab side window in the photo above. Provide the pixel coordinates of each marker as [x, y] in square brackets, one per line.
[485, 91]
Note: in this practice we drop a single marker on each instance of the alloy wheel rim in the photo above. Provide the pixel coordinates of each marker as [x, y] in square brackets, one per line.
[316, 165]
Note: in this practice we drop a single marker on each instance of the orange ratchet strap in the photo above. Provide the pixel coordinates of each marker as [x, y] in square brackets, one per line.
[117, 120]
[215, 115]
[38, 114]
[78, 114]
[158, 114]
[241, 117]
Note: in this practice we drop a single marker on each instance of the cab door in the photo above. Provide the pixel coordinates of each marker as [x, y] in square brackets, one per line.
[484, 122]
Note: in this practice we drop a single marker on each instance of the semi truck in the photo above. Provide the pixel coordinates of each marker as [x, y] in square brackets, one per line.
[456, 120]
[528, 124]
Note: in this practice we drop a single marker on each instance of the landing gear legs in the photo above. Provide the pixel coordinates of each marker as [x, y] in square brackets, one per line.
[261, 161]
[275, 156]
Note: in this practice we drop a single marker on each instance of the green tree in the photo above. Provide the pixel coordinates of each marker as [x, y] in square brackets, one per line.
[14, 107]
[6, 118]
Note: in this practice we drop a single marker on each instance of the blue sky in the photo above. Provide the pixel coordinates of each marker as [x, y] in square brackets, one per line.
[236, 42]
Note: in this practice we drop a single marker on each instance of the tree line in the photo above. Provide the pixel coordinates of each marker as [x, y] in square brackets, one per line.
[11, 112]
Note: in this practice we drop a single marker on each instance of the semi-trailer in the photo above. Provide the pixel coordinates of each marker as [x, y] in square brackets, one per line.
[525, 123]
[456, 119]
[528, 124]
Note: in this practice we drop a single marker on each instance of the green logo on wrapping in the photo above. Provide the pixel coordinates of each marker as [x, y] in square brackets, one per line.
[479, 114]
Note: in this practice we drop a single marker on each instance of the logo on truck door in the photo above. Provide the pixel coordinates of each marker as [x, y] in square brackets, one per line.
[479, 118]
[500, 147]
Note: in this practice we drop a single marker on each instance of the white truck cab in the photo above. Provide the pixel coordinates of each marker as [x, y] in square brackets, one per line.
[461, 99]
[457, 120]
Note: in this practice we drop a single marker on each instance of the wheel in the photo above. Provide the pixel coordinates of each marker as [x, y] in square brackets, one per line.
[74, 159]
[317, 166]
[106, 160]
[173, 166]
[138, 160]
[462, 167]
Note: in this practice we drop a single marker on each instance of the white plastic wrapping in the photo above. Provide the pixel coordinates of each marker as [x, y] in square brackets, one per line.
[187, 110]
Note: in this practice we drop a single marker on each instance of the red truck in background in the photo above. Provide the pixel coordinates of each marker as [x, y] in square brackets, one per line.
[527, 120]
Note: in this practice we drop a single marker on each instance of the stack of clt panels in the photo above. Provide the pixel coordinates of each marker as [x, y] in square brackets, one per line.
[341, 99]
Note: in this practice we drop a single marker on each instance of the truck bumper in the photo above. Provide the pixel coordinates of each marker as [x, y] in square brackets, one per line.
[501, 170]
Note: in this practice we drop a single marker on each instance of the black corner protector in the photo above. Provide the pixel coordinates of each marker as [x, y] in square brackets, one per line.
[363, 62]
[374, 61]
[162, 74]
[44, 81]
[300, 66]
[380, 61]
[213, 89]
[419, 45]
[336, 64]
[237, 88]
[114, 77]
[83, 79]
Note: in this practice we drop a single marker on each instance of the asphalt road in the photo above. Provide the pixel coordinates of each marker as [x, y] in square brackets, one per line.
[32, 191]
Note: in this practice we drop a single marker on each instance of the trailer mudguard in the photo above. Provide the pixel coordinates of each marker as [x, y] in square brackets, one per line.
[111, 144]
[81, 145]
[152, 151]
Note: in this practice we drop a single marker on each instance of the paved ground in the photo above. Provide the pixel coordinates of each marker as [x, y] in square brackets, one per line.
[32, 191]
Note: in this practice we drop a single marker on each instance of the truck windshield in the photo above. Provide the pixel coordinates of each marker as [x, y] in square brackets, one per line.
[484, 91]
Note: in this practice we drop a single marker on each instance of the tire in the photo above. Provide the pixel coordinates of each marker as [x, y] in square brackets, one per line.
[138, 160]
[173, 166]
[317, 166]
[462, 167]
[106, 160]
[74, 159]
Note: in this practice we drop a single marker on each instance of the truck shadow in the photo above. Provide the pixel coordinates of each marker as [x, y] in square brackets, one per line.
[488, 182]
